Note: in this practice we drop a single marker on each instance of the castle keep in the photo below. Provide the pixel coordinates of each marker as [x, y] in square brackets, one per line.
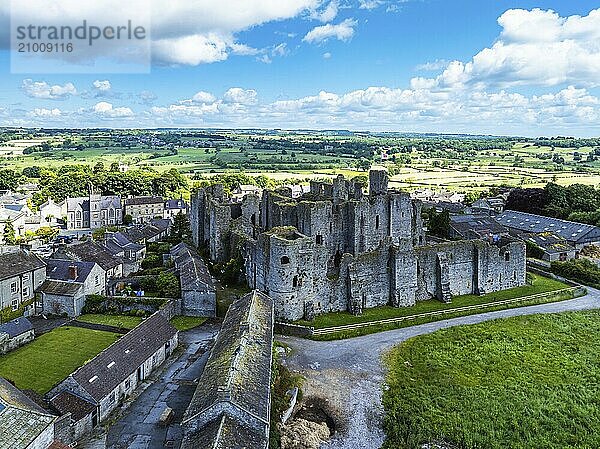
[336, 248]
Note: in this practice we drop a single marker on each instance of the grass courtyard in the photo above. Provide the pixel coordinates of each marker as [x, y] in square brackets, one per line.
[51, 357]
[539, 284]
[523, 382]
[184, 323]
[123, 321]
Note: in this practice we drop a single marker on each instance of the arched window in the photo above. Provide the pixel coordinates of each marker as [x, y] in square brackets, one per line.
[285, 260]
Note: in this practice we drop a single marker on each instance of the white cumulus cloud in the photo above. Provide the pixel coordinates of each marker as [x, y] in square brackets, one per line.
[107, 110]
[44, 91]
[343, 31]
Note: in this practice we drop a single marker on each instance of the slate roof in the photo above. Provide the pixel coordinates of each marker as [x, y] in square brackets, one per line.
[67, 402]
[238, 372]
[225, 432]
[16, 327]
[21, 419]
[141, 200]
[20, 427]
[107, 370]
[549, 242]
[18, 262]
[175, 204]
[91, 252]
[60, 288]
[7, 214]
[11, 395]
[476, 225]
[119, 241]
[59, 270]
[569, 230]
[193, 273]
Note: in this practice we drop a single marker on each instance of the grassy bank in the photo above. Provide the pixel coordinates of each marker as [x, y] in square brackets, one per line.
[185, 323]
[51, 357]
[124, 321]
[539, 284]
[523, 382]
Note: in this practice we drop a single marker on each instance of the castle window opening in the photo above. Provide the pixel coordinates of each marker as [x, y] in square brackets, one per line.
[507, 256]
[319, 239]
[285, 260]
[377, 222]
[295, 282]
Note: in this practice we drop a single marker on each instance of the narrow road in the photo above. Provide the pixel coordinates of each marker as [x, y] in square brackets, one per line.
[138, 427]
[348, 374]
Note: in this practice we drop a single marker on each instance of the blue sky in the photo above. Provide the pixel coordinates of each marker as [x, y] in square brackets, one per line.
[497, 67]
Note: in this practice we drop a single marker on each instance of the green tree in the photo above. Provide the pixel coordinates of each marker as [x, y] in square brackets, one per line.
[167, 285]
[9, 179]
[180, 230]
[9, 233]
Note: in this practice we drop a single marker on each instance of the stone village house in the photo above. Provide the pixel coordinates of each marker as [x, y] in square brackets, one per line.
[97, 388]
[21, 273]
[68, 283]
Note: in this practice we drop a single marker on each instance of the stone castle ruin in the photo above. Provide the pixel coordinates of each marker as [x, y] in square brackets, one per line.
[336, 248]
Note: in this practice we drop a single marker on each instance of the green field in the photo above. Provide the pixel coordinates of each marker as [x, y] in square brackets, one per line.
[184, 323]
[51, 357]
[525, 382]
[124, 321]
[444, 163]
[539, 284]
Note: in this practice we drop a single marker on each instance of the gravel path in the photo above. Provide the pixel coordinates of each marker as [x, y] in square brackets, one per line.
[349, 373]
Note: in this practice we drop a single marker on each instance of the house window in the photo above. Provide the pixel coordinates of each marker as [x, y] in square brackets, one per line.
[112, 398]
[25, 292]
[15, 304]
[97, 280]
[127, 384]
[14, 287]
[26, 277]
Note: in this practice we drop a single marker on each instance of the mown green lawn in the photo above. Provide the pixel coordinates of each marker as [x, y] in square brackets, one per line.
[524, 383]
[539, 284]
[184, 323]
[124, 321]
[51, 357]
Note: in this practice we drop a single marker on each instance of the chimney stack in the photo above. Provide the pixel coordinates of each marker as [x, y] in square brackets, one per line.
[73, 272]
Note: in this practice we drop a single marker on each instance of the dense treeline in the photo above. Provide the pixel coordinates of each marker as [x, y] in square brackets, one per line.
[576, 202]
[582, 270]
[79, 180]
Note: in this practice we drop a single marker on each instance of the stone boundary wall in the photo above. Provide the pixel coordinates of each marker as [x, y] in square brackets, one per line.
[307, 332]
[98, 327]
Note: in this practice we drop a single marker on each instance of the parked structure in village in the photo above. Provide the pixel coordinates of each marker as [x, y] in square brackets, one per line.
[94, 390]
[336, 248]
[231, 405]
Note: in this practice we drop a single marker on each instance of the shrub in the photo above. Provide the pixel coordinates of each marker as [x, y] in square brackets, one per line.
[581, 270]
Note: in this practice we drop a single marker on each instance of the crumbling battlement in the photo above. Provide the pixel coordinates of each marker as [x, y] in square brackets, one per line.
[336, 248]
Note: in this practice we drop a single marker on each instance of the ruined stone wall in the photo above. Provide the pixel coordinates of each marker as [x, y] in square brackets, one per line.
[219, 228]
[500, 267]
[403, 282]
[369, 276]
